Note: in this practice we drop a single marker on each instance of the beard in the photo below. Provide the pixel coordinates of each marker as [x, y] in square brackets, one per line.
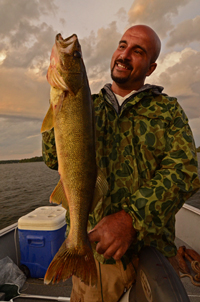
[119, 80]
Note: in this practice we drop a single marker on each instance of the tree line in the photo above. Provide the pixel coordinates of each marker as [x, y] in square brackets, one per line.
[25, 160]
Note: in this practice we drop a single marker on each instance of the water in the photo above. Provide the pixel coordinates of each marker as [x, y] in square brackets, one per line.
[26, 186]
[23, 188]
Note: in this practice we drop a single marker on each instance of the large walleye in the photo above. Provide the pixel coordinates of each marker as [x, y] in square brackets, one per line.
[71, 115]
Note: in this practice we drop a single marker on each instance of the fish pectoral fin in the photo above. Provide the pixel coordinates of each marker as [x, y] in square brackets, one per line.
[58, 196]
[101, 189]
[48, 121]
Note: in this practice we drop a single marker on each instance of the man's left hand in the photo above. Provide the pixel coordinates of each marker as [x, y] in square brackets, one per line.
[114, 234]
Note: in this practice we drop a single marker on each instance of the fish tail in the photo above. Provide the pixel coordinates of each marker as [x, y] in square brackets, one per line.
[72, 261]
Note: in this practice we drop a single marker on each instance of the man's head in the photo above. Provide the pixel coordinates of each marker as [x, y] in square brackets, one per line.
[135, 58]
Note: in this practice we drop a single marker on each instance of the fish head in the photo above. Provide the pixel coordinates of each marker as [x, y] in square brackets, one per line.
[66, 68]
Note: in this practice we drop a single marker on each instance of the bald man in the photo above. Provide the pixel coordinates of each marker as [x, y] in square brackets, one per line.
[145, 148]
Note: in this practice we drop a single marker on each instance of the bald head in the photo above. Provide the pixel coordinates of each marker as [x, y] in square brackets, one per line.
[150, 35]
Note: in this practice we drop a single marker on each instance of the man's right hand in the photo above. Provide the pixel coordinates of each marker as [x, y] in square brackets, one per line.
[114, 234]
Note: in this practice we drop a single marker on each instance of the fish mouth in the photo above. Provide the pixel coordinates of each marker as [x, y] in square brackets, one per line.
[68, 40]
[69, 45]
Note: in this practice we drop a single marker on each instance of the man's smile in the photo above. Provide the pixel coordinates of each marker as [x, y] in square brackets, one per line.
[122, 65]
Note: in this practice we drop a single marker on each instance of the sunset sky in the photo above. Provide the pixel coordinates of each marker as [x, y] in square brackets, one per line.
[28, 29]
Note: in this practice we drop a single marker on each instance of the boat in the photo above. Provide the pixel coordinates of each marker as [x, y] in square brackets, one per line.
[34, 289]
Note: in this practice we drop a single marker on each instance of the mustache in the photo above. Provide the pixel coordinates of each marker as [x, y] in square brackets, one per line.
[124, 62]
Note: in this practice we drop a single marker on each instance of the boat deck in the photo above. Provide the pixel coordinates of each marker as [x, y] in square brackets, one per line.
[37, 287]
[61, 291]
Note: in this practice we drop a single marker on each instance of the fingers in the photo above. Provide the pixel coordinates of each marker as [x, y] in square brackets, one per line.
[114, 250]
[101, 248]
[94, 235]
[119, 253]
[108, 249]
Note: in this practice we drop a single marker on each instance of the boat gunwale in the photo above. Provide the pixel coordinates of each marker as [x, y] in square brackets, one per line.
[8, 229]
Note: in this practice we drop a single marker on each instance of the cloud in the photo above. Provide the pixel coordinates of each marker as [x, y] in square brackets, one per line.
[24, 56]
[121, 14]
[195, 125]
[13, 12]
[97, 52]
[20, 137]
[155, 13]
[26, 42]
[180, 71]
[25, 39]
[185, 33]
[23, 92]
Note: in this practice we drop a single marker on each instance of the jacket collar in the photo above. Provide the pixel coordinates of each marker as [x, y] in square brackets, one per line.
[135, 97]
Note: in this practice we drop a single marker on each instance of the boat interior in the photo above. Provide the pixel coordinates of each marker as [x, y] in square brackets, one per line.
[35, 289]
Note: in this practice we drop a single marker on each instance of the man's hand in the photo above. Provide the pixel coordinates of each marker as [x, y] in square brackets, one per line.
[114, 234]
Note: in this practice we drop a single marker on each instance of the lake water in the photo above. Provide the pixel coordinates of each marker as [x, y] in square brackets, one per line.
[23, 188]
[26, 186]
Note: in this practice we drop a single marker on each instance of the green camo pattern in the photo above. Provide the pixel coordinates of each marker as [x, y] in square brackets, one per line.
[49, 149]
[148, 155]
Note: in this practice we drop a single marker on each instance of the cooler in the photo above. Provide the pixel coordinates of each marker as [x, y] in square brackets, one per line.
[41, 233]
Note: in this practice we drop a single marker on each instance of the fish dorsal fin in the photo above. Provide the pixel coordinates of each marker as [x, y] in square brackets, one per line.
[48, 121]
[101, 189]
[58, 196]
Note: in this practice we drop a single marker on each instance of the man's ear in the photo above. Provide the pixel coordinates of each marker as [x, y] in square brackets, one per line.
[152, 67]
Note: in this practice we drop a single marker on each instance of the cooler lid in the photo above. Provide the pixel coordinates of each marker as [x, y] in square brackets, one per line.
[43, 219]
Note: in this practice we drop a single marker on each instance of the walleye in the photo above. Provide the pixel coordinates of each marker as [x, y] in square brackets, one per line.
[71, 115]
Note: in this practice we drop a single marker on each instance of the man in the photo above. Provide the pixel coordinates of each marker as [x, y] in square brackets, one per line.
[145, 148]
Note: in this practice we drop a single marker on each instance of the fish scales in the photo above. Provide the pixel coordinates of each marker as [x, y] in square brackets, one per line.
[77, 166]
[71, 115]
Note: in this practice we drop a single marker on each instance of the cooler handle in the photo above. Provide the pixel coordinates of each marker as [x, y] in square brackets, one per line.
[36, 241]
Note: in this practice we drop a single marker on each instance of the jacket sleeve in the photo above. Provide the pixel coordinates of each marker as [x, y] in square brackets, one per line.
[49, 149]
[176, 179]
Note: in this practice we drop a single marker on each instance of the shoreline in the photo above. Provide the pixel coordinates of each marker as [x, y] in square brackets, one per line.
[25, 160]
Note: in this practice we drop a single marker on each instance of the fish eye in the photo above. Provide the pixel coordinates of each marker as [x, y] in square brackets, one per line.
[77, 54]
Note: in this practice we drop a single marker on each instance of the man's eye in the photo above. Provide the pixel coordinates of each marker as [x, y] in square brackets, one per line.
[138, 52]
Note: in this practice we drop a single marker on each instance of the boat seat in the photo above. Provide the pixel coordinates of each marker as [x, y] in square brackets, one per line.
[156, 280]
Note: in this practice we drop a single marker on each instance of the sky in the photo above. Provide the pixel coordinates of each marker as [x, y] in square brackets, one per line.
[27, 34]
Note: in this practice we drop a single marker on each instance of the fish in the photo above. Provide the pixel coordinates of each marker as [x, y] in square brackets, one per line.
[71, 114]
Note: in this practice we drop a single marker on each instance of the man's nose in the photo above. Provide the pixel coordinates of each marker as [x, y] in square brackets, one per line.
[126, 54]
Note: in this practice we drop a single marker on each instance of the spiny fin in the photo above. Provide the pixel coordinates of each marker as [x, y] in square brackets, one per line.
[101, 189]
[58, 195]
[48, 121]
[72, 261]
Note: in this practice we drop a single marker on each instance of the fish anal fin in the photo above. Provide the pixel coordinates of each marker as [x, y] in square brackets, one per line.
[58, 195]
[48, 121]
[71, 260]
[101, 189]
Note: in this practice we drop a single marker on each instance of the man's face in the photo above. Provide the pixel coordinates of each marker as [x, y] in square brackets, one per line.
[131, 62]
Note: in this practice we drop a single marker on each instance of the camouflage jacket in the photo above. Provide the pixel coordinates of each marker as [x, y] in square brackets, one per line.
[147, 152]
